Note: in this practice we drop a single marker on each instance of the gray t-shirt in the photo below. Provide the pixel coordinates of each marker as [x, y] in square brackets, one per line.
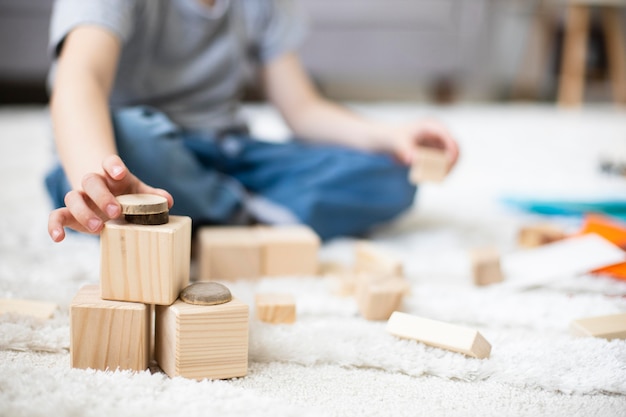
[186, 59]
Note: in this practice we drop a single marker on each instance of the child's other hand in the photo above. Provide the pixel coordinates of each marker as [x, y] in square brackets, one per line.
[407, 139]
[87, 209]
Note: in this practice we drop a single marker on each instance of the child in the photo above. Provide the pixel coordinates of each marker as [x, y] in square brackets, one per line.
[144, 99]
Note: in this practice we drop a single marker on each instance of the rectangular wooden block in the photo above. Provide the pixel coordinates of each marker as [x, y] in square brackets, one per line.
[607, 327]
[539, 234]
[276, 308]
[108, 334]
[486, 267]
[199, 342]
[430, 165]
[439, 334]
[146, 264]
[377, 300]
[38, 309]
[373, 259]
[229, 253]
[289, 250]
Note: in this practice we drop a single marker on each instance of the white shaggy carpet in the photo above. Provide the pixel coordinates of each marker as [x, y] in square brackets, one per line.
[331, 362]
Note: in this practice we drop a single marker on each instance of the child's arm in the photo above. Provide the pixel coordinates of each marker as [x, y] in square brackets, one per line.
[310, 116]
[84, 133]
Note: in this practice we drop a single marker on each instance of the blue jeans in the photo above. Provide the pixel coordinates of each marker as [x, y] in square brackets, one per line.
[229, 178]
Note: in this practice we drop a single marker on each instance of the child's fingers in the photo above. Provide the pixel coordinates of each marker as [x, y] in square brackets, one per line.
[58, 220]
[114, 167]
[84, 215]
[97, 190]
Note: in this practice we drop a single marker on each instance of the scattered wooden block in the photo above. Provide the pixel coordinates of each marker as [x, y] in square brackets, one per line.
[229, 253]
[439, 334]
[607, 327]
[486, 267]
[430, 164]
[146, 264]
[377, 300]
[196, 341]
[343, 284]
[37, 309]
[539, 234]
[373, 259]
[332, 268]
[276, 308]
[108, 334]
[289, 250]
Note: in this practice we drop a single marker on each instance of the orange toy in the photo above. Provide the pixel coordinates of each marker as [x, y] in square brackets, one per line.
[613, 231]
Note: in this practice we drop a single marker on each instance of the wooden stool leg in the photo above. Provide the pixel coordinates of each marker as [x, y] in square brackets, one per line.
[531, 76]
[572, 77]
[616, 52]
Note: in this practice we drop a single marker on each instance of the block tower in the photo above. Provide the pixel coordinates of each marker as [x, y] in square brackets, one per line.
[145, 261]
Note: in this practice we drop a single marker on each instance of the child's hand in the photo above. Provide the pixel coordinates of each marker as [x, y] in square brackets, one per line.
[87, 209]
[407, 138]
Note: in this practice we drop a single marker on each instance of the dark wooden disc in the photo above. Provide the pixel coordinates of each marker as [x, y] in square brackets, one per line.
[148, 219]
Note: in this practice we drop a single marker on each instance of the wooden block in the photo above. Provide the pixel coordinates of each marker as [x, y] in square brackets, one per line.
[276, 308]
[430, 165]
[37, 309]
[607, 327]
[332, 268]
[377, 300]
[108, 334]
[439, 334]
[539, 234]
[343, 284]
[372, 259]
[147, 264]
[289, 250]
[486, 266]
[201, 342]
[229, 253]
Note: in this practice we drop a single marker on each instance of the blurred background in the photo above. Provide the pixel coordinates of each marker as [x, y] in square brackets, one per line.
[437, 51]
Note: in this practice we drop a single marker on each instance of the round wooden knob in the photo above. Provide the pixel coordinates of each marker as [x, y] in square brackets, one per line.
[142, 203]
[206, 294]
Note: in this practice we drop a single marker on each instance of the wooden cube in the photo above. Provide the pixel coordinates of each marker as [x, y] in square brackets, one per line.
[108, 334]
[430, 164]
[439, 334]
[289, 250]
[373, 259]
[539, 234]
[146, 264]
[229, 253]
[276, 308]
[607, 327]
[377, 299]
[486, 266]
[196, 341]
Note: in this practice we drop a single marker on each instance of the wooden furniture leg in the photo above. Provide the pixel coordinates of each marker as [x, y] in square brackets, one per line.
[572, 75]
[616, 52]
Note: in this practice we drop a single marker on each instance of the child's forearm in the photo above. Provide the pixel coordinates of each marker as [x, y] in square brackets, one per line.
[82, 126]
[322, 120]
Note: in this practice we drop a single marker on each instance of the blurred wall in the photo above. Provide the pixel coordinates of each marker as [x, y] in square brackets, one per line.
[23, 39]
[364, 49]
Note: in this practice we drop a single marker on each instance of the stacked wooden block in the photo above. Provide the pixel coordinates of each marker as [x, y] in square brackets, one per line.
[145, 261]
